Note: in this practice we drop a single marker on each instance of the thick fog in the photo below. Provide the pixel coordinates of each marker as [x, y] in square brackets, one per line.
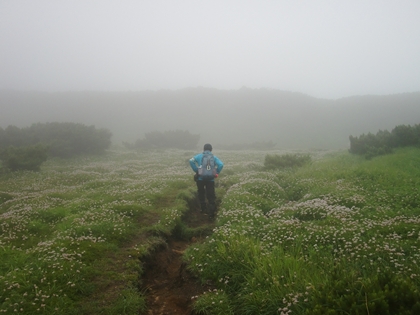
[221, 117]
[326, 49]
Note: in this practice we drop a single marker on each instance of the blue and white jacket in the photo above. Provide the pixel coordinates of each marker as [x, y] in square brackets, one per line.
[196, 161]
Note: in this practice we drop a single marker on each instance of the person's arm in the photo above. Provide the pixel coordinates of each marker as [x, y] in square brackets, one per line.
[219, 164]
[193, 163]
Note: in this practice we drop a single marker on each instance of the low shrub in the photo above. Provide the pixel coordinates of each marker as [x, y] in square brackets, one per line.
[24, 158]
[370, 145]
[63, 139]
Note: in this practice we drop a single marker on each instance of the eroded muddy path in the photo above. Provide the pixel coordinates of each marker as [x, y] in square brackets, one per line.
[167, 283]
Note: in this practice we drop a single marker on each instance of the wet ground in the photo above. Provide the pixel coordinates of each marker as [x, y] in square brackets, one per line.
[167, 283]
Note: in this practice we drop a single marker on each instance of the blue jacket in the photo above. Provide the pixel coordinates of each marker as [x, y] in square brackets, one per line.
[195, 162]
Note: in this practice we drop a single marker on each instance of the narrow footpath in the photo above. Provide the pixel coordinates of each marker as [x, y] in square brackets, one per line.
[167, 283]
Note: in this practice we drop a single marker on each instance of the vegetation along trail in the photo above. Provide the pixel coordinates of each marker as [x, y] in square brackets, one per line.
[87, 235]
[167, 283]
[120, 233]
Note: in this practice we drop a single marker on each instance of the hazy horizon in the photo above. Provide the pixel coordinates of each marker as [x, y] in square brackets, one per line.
[291, 120]
[204, 88]
[323, 49]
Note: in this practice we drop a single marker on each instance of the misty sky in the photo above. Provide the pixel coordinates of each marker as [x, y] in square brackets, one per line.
[328, 49]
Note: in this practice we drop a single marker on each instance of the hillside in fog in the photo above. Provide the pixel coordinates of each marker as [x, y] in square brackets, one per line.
[292, 120]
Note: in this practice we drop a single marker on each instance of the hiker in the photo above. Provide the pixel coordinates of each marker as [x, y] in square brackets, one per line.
[206, 167]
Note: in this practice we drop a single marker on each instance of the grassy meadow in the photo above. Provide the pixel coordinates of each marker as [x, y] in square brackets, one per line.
[80, 226]
[339, 235]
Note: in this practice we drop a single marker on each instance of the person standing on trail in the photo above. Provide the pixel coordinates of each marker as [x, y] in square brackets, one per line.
[206, 167]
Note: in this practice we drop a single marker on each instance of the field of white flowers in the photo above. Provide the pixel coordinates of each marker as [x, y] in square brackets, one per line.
[58, 226]
[338, 236]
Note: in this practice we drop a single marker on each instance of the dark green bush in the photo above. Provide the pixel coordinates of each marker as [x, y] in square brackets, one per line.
[63, 139]
[285, 161]
[371, 145]
[14, 136]
[24, 158]
[70, 139]
[406, 135]
[376, 151]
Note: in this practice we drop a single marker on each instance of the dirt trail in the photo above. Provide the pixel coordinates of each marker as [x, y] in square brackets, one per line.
[168, 284]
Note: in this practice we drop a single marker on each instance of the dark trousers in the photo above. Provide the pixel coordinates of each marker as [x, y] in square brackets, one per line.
[206, 189]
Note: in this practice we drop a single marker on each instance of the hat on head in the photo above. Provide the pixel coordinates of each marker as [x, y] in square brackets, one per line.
[208, 147]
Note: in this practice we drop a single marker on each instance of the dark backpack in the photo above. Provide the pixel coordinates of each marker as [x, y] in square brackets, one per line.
[207, 169]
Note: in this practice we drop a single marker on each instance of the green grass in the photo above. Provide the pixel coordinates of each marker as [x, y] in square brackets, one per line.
[65, 231]
[341, 238]
[339, 235]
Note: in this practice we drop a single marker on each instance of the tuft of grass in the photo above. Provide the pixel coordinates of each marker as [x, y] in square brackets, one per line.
[129, 302]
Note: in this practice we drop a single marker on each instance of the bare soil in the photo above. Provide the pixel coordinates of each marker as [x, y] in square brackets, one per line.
[167, 283]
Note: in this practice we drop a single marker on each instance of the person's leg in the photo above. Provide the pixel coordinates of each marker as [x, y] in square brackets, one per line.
[202, 195]
[211, 197]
